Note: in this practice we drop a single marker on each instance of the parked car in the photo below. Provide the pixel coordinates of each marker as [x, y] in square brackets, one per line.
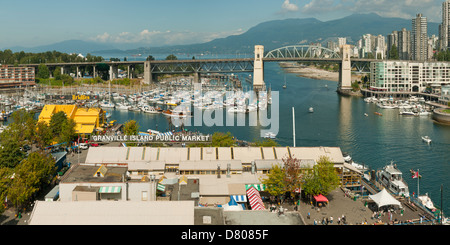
[84, 146]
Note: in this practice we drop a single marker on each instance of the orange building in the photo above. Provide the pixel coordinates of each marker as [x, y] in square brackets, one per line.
[87, 120]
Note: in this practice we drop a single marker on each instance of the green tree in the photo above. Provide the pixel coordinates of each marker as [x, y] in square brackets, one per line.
[30, 175]
[43, 135]
[322, 180]
[57, 120]
[274, 181]
[67, 133]
[393, 53]
[57, 73]
[131, 127]
[293, 175]
[219, 139]
[43, 72]
[171, 57]
[265, 143]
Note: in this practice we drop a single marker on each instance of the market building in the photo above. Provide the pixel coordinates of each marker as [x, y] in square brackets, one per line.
[87, 120]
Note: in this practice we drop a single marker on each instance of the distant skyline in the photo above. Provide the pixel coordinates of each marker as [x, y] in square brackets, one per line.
[158, 23]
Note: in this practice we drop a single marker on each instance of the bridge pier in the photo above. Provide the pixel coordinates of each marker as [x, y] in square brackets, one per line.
[345, 71]
[258, 69]
[148, 72]
[113, 72]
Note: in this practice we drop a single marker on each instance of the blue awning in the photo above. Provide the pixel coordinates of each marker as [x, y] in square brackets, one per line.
[239, 198]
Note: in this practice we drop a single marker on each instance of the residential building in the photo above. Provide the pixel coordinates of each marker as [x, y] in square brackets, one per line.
[402, 40]
[392, 39]
[444, 28]
[419, 38]
[21, 76]
[409, 76]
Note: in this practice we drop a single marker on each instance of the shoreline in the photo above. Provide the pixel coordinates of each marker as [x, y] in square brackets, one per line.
[313, 72]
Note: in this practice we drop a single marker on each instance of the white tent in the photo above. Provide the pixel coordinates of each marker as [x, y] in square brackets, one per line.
[383, 198]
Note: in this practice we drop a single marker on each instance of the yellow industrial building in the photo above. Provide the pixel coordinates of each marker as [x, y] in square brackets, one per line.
[87, 119]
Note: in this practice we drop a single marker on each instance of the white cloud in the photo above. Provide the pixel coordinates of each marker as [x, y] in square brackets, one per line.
[289, 7]
[159, 38]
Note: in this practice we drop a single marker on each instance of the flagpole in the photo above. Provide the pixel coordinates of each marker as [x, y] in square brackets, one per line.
[418, 174]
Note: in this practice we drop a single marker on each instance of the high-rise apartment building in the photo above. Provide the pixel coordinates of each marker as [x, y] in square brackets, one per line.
[444, 28]
[419, 38]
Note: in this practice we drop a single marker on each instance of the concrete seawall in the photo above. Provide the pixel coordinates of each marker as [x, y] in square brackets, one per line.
[440, 116]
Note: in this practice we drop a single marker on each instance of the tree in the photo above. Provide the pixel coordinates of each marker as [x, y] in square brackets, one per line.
[43, 72]
[43, 135]
[222, 140]
[56, 122]
[265, 143]
[274, 181]
[293, 175]
[131, 127]
[322, 180]
[30, 175]
[393, 53]
[67, 132]
[171, 57]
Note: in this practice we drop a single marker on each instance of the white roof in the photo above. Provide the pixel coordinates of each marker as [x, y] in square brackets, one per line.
[383, 198]
[113, 213]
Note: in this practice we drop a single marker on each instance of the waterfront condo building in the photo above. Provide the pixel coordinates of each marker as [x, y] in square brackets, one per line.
[21, 76]
[409, 76]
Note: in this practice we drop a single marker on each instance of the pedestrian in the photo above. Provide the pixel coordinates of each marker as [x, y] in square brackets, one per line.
[339, 221]
[331, 220]
[309, 215]
[315, 222]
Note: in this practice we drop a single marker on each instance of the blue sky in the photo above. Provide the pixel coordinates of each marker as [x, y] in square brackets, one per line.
[31, 23]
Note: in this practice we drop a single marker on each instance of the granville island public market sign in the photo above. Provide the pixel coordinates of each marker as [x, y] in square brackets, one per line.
[151, 138]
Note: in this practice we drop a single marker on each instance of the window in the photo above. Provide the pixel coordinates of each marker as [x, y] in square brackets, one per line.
[144, 196]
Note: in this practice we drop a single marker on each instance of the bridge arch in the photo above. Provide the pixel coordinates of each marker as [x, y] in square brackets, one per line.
[302, 51]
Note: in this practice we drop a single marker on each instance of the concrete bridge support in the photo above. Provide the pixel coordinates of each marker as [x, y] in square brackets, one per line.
[345, 71]
[258, 69]
[113, 72]
[147, 72]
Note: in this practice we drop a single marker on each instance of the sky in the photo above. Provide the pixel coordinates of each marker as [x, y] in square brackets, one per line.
[31, 23]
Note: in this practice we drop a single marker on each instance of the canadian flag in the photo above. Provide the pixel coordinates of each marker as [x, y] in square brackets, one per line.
[415, 175]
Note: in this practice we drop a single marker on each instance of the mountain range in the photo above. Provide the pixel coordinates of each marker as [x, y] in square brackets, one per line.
[271, 34]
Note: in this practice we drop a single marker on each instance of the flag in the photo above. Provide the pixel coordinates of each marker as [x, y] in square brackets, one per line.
[415, 174]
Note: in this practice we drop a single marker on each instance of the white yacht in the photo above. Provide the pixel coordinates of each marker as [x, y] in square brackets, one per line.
[426, 139]
[391, 178]
[311, 110]
[106, 104]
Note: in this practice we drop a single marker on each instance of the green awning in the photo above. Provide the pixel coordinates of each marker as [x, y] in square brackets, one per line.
[259, 187]
[110, 189]
[161, 187]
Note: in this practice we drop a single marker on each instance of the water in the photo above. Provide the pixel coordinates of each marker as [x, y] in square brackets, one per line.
[340, 121]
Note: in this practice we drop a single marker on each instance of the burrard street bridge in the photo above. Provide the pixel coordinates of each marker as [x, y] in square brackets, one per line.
[295, 53]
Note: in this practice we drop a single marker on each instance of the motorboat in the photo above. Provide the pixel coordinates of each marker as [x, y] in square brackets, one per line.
[106, 104]
[150, 109]
[426, 201]
[311, 110]
[167, 113]
[347, 157]
[270, 135]
[391, 178]
[365, 114]
[407, 112]
[426, 139]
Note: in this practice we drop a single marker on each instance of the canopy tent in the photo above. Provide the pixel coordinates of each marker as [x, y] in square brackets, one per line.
[255, 199]
[320, 198]
[232, 205]
[383, 198]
